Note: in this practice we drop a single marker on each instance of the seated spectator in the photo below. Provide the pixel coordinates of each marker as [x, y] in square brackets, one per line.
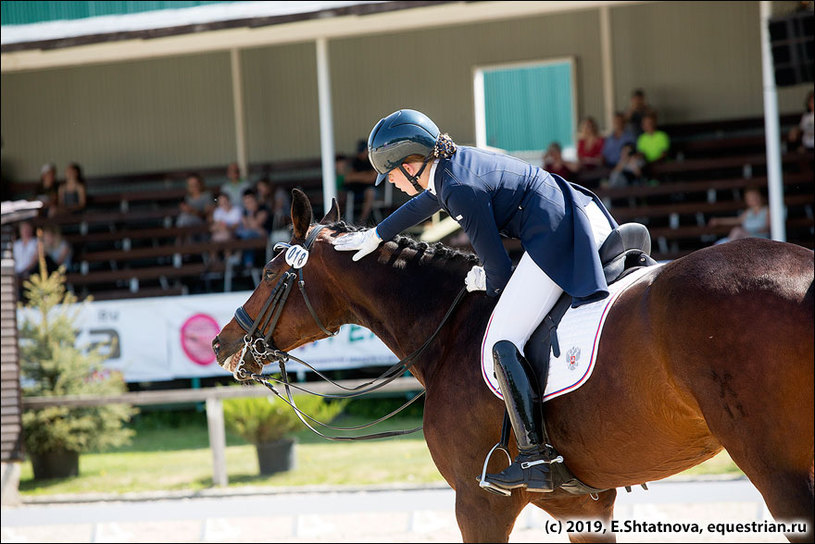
[57, 250]
[802, 136]
[225, 219]
[359, 182]
[197, 204]
[637, 110]
[47, 191]
[553, 162]
[616, 139]
[589, 145]
[72, 194]
[235, 185]
[652, 143]
[629, 168]
[754, 222]
[25, 251]
[255, 223]
[276, 201]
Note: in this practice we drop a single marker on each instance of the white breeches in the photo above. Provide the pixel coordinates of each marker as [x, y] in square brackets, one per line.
[529, 295]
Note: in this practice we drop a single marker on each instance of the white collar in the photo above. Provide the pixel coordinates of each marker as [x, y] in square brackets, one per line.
[431, 180]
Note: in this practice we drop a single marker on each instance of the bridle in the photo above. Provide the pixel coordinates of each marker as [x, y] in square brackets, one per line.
[263, 347]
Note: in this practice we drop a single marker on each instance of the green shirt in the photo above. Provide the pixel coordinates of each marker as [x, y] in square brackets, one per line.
[652, 146]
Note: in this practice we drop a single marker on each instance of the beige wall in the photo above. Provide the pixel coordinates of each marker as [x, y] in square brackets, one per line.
[696, 61]
[140, 116]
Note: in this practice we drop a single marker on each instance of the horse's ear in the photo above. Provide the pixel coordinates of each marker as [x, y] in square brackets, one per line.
[301, 214]
[333, 214]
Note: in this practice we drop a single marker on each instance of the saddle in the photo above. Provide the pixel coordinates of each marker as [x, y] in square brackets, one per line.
[626, 249]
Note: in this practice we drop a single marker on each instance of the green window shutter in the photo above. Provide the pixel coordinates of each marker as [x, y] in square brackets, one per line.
[526, 108]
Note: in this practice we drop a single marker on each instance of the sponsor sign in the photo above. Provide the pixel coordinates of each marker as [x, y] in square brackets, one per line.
[158, 339]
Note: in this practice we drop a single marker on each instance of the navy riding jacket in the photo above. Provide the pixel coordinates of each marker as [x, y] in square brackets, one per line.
[492, 195]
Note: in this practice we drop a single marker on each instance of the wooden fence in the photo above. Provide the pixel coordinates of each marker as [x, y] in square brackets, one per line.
[215, 413]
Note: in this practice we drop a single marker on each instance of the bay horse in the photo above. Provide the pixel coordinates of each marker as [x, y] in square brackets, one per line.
[713, 350]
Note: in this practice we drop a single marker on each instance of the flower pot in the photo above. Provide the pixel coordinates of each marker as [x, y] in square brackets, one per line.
[277, 456]
[55, 464]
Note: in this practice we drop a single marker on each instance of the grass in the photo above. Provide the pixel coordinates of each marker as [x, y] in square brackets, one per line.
[179, 458]
[174, 454]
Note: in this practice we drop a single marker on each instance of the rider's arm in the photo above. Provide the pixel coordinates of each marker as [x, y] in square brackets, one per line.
[474, 207]
[412, 212]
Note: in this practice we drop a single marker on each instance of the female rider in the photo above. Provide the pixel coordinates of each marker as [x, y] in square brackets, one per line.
[561, 226]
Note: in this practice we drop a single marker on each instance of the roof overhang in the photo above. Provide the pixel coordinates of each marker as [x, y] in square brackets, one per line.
[359, 20]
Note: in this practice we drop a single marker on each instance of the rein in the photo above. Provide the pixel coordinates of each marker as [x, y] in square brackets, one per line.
[264, 348]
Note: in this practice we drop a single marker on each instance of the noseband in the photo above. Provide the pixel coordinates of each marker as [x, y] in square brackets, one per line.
[263, 347]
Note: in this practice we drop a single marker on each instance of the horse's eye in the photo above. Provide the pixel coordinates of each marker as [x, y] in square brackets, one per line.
[268, 274]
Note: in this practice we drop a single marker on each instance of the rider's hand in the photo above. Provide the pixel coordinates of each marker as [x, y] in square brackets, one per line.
[363, 242]
[476, 279]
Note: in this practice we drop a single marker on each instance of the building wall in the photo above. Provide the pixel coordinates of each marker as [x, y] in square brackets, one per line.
[141, 116]
[696, 61]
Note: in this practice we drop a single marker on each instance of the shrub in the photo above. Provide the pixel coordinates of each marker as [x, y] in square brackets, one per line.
[266, 419]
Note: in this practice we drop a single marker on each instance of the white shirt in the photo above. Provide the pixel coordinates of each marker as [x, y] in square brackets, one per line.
[431, 182]
[231, 217]
[24, 254]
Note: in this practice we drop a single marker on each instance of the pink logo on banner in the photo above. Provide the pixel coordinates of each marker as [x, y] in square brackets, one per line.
[196, 338]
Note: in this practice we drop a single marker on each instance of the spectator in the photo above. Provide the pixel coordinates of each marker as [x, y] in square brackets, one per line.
[225, 219]
[47, 191]
[276, 202]
[637, 109]
[629, 168]
[652, 143]
[617, 138]
[235, 185]
[754, 222]
[802, 137]
[589, 145]
[197, 204]
[25, 252]
[341, 168]
[72, 195]
[359, 182]
[255, 223]
[554, 164]
[57, 250]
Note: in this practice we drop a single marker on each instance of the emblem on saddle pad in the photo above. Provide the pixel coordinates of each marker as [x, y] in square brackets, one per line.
[572, 357]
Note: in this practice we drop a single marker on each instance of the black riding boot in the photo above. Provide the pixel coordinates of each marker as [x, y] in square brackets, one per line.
[518, 385]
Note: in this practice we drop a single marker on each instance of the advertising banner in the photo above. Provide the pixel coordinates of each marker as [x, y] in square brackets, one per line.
[158, 339]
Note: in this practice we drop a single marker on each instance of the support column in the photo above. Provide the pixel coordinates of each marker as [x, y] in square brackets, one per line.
[608, 65]
[217, 440]
[237, 101]
[772, 133]
[326, 125]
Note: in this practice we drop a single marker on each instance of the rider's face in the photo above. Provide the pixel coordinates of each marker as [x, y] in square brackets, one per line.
[397, 178]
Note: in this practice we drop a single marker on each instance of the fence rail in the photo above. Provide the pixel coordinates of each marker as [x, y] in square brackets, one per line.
[215, 413]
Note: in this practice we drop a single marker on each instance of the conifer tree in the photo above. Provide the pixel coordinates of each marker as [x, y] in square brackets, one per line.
[52, 364]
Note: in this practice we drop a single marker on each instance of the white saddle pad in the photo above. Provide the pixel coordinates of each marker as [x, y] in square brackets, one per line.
[578, 335]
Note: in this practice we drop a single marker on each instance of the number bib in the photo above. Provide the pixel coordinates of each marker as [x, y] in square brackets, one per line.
[296, 256]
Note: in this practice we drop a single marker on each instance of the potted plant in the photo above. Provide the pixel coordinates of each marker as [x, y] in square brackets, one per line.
[52, 365]
[267, 422]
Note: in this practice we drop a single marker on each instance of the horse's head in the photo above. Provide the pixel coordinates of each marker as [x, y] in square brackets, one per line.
[292, 305]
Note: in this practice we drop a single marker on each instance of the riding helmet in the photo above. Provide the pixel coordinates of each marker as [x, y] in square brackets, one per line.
[398, 136]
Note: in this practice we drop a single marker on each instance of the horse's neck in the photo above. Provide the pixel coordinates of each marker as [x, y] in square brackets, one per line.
[403, 317]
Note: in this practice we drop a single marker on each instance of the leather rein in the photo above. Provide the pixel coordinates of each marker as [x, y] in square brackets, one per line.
[263, 347]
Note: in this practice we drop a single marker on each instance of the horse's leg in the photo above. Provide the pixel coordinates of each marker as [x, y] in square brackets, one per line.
[583, 507]
[483, 516]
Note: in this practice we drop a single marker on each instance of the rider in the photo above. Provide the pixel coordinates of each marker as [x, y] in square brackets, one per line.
[561, 226]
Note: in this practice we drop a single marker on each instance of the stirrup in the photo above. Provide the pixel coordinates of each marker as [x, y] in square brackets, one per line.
[489, 486]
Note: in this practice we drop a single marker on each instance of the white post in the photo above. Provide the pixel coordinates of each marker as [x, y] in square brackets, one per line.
[217, 440]
[326, 125]
[772, 135]
[237, 101]
[608, 65]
